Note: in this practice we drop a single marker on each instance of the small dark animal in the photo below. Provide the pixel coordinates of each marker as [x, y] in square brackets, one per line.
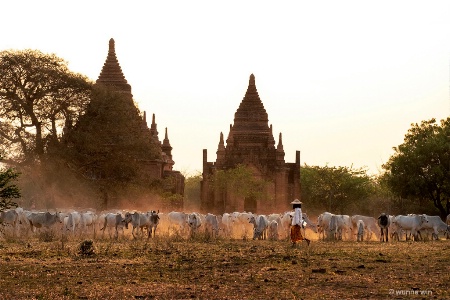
[383, 223]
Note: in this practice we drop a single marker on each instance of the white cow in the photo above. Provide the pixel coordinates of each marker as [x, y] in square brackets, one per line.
[323, 224]
[345, 226]
[194, 221]
[436, 225]
[370, 224]
[336, 227]
[73, 221]
[154, 219]
[138, 222]
[227, 223]
[212, 225]
[413, 223]
[23, 220]
[273, 230]
[276, 218]
[114, 221]
[286, 220]
[178, 220]
[360, 229]
[260, 226]
[88, 220]
[43, 219]
[11, 218]
[240, 222]
[394, 228]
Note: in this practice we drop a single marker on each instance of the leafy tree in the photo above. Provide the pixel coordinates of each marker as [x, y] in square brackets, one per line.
[420, 167]
[8, 190]
[38, 97]
[334, 189]
[192, 192]
[241, 181]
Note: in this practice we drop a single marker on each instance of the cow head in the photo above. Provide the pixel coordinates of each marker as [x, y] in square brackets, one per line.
[59, 216]
[192, 221]
[319, 221]
[154, 218]
[127, 219]
[423, 219]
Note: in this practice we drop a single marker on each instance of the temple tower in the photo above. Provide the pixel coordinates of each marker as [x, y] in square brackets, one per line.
[123, 137]
[250, 142]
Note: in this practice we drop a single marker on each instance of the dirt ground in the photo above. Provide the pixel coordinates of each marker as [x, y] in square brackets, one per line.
[172, 267]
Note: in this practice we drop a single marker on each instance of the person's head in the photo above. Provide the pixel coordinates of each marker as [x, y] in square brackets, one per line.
[296, 204]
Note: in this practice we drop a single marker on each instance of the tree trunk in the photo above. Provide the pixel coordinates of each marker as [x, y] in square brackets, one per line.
[438, 204]
[39, 141]
[448, 207]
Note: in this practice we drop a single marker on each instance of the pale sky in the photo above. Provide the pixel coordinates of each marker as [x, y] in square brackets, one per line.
[342, 80]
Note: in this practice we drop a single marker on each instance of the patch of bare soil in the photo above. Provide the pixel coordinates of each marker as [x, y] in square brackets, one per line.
[176, 268]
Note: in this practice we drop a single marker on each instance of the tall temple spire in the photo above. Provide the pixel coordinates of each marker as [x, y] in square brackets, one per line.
[111, 74]
[230, 136]
[221, 143]
[280, 150]
[221, 146]
[166, 145]
[220, 150]
[280, 143]
[153, 129]
[271, 141]
[145, 118]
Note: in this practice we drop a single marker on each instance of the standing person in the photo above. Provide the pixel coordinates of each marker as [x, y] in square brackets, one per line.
[297, 223]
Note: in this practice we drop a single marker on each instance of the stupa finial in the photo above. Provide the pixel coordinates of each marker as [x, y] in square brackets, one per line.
[252, 80]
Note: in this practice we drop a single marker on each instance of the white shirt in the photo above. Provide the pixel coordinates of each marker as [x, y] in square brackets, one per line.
[298, 218]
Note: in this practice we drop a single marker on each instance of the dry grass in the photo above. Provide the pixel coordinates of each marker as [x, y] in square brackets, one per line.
[204, 268]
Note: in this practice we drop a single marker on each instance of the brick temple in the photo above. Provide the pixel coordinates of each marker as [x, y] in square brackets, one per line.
[112, 77]
[251, 143]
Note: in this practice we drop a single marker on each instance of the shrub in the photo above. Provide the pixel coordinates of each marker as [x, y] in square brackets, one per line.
[86, 248]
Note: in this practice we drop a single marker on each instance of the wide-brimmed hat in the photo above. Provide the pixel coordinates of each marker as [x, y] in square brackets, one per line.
[296, 201]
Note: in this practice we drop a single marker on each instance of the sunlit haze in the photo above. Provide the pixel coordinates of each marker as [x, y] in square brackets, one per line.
[342, 80]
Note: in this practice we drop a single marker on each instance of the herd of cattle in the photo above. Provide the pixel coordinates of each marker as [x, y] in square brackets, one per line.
[229, 225]
[413, 226]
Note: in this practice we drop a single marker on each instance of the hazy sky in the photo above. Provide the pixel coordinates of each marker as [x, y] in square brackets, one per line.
[342, 80]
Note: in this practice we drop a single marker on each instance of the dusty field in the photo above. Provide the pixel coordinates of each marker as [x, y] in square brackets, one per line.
[201, 268]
